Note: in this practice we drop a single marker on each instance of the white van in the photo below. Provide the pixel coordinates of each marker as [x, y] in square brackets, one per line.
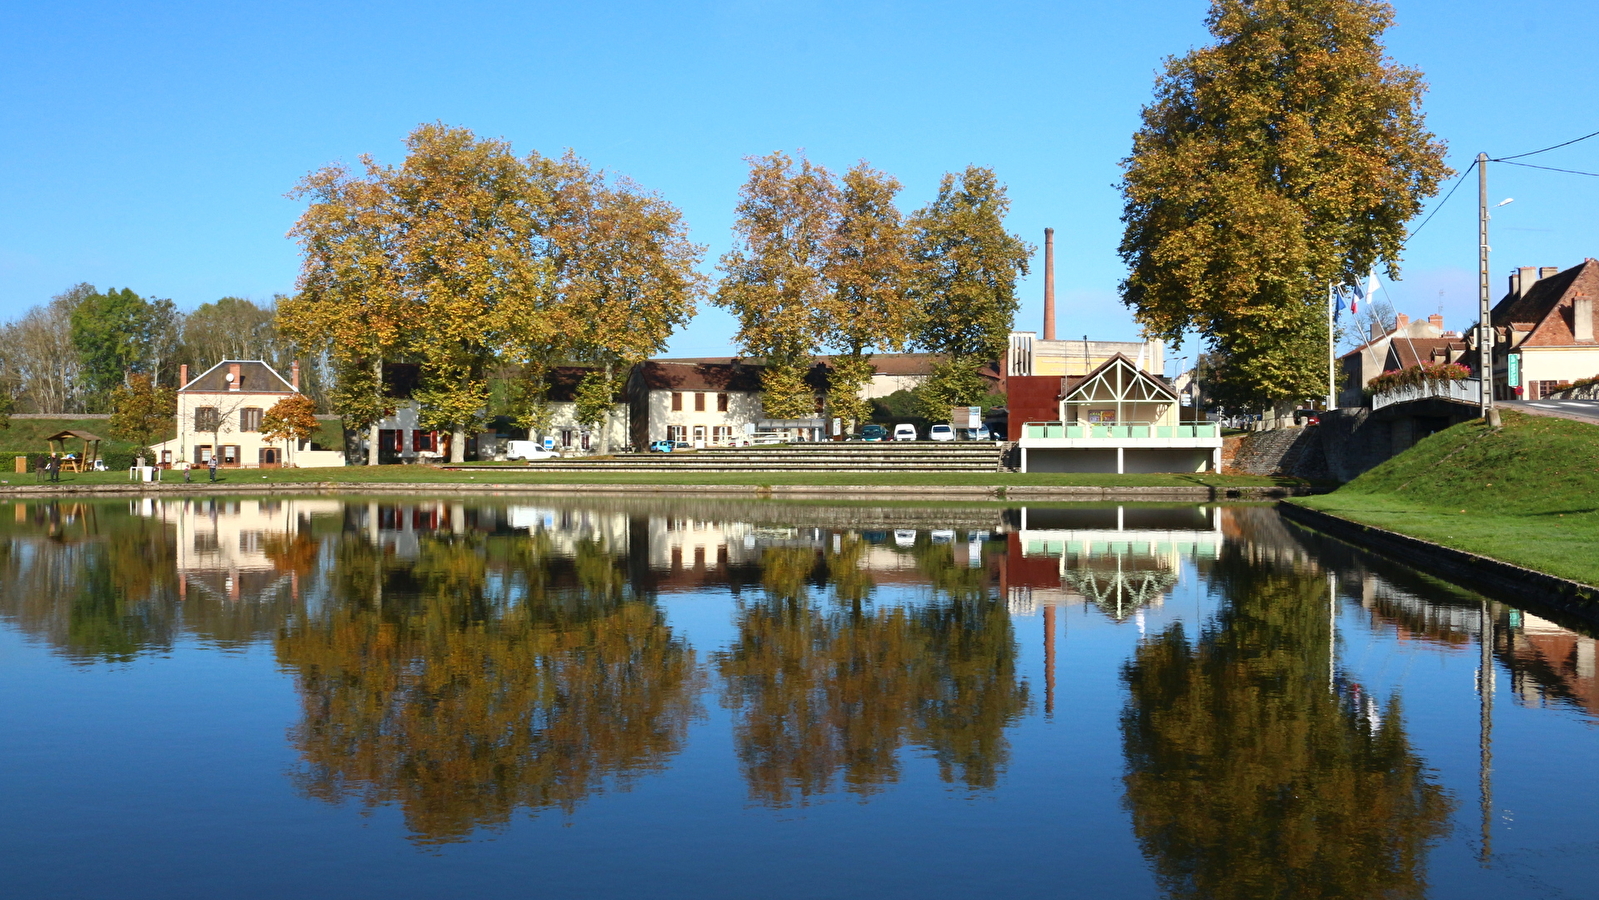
[905, 432]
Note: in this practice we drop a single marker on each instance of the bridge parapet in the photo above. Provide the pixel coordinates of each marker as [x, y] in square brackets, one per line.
[1469, 391]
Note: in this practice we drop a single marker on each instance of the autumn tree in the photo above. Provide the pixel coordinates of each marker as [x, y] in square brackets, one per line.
[1286, 155]
[775, 277]
[142, 411]
[291, 419]
[967, 267]
[870, 305]
[351, 301]
[624, 275]
[473, 263]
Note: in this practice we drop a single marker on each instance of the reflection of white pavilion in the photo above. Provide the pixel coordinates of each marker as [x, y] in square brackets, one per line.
[1118, 566]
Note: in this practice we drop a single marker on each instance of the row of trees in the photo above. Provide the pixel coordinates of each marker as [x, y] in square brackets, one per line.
[829, 264]
[486, 269]
[75, 353]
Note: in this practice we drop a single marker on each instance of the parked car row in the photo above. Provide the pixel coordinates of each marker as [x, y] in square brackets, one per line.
[907, 432]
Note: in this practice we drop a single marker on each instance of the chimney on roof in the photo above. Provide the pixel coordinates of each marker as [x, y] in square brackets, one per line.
[1376, 330]
[1522, 280]
[183, 376]
[1436, 320]
[1582, 317]
[1049, 284]
[233, 376]
[294, 375]
[1400, 321]
[1546, 271]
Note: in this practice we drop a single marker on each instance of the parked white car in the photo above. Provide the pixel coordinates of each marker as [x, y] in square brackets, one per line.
[528, 450]
[905, 432]
[941, 433]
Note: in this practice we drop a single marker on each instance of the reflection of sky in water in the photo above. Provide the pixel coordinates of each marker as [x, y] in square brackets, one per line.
[173, 755]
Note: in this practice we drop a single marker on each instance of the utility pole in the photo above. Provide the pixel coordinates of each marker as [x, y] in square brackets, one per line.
[1485, 333]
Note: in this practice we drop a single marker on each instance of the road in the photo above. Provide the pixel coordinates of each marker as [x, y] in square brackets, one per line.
[1580, 410]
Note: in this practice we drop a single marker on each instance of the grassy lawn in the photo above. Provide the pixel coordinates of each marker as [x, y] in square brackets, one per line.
[1527, 494]
[358, 475]
[27, 436]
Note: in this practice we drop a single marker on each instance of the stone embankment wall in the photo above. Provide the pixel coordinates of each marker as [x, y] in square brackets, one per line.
[1294, 452]
[1591, 392]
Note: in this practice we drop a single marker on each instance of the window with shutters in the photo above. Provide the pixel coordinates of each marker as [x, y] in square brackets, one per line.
[699, 402]
[677, 402]
[250, 419]
[207, 419]
[721, 403]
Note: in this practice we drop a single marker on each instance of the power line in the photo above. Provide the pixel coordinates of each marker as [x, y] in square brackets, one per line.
[1547, 168]
[1547, 149]
[1458, 182]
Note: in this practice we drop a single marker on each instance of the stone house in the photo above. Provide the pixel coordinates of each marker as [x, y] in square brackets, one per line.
[1417, 339]
[1544, 331]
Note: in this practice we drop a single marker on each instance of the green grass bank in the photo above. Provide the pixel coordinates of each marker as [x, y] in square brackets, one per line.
[1526, 493]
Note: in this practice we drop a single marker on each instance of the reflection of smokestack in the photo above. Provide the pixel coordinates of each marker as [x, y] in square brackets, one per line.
[1049, 284]
[1049, 660]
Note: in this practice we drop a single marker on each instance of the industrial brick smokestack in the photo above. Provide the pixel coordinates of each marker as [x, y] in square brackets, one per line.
[1049, 284]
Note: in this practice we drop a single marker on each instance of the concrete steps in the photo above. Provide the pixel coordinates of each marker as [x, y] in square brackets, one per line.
[900, 456]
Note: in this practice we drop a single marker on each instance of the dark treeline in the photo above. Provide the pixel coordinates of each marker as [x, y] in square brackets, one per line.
[69, 355]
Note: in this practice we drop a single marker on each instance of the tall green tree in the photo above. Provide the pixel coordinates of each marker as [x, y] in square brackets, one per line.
[1288, 154]
[775, 277]
[968, 265]
[119, 332]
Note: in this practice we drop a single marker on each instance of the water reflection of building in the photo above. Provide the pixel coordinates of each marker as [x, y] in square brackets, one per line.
[237, 548]
[1118, 559]
[1549, 665]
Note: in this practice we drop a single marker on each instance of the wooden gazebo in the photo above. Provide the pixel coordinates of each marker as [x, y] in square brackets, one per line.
[91, 449]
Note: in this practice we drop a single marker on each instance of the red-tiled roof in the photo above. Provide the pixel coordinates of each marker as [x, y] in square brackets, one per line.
[1425, 350]
[1534, 305]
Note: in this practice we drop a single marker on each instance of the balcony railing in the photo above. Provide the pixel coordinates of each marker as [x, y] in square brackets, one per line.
[1469, 391]
[1113, 432]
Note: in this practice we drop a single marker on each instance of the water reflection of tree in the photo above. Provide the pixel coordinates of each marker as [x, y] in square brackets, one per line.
[829, 696]
[482, 679]
[1249, 777]
[98, 588]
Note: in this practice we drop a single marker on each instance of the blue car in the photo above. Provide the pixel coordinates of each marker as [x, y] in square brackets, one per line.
[660, 447]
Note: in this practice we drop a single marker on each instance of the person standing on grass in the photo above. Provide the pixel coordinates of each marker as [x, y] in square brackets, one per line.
[213, 466]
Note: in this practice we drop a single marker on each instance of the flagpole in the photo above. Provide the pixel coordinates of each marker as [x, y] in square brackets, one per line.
[1332, 354]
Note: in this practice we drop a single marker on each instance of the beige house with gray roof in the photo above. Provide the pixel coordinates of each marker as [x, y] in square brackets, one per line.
[220, 412]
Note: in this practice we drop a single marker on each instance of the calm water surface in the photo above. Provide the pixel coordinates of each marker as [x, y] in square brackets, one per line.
[348, 698]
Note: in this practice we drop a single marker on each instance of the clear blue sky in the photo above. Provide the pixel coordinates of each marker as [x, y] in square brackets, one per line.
[149, 145]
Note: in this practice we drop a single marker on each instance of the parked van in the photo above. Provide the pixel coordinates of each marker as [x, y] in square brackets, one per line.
[905, 432]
